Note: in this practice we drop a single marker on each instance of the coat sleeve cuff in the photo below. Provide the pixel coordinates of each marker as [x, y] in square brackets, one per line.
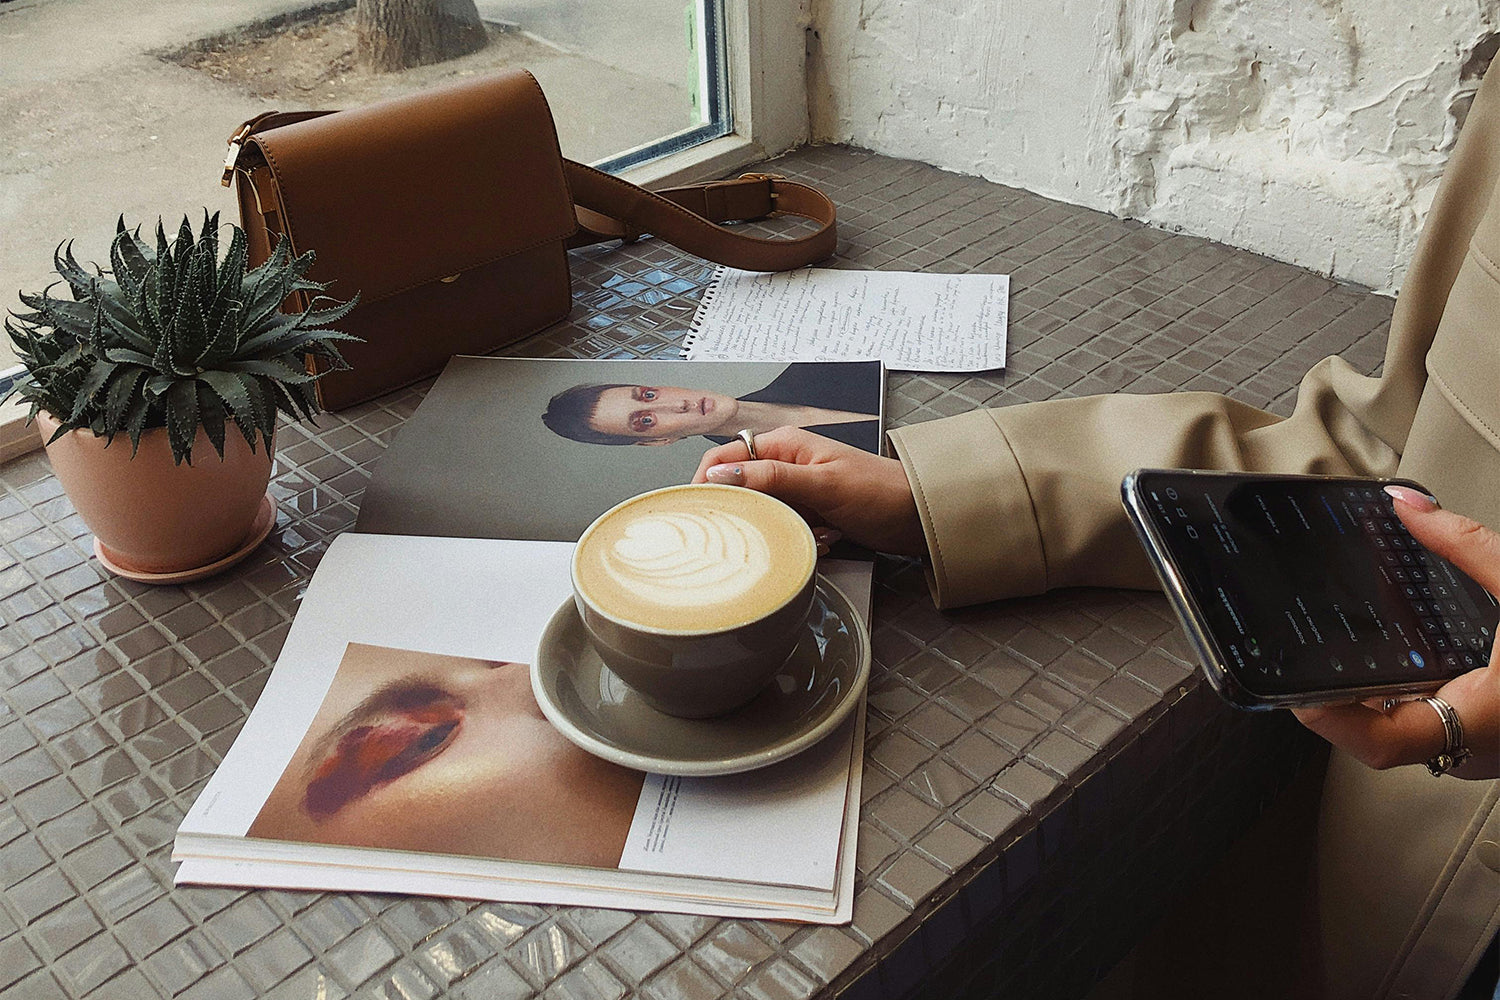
[983, 542]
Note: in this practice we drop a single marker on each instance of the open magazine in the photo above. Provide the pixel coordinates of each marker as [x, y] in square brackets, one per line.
[398, 747]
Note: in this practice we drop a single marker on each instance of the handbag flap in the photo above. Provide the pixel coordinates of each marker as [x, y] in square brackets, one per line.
[407, 191]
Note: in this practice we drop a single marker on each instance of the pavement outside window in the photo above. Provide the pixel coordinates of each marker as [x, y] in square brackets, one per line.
[114, 110]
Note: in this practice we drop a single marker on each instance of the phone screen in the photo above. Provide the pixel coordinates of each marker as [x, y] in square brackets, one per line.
[1314, 584]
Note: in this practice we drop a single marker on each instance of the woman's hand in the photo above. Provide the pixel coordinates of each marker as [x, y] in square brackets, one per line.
[864, 496]
[1412, 731]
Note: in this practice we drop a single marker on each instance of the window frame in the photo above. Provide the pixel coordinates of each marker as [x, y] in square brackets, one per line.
[764, 61]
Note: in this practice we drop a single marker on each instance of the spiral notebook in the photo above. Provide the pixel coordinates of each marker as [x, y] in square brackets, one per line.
[910, 321]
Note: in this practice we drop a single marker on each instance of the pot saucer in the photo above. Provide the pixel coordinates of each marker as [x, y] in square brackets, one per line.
[265, 520]
[817, 688]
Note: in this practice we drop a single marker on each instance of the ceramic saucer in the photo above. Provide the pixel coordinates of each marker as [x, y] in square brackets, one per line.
[817, 688]
[265, 520]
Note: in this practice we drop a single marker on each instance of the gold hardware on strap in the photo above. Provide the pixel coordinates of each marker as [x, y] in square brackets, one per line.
[450, 279]
[770, 180]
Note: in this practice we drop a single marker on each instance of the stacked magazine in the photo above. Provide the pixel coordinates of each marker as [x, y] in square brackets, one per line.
[398, 745]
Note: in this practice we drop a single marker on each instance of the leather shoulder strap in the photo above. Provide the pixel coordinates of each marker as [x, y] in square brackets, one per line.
[690, 217]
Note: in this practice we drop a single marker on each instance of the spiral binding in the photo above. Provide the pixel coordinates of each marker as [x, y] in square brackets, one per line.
[704, 304]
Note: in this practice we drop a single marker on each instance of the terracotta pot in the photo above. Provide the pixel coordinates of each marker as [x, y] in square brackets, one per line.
[151, 516]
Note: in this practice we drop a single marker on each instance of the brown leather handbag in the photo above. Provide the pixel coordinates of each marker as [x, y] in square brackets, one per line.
[450, 213]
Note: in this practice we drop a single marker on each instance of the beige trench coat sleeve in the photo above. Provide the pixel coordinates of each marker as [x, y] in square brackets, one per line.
[1021, 499]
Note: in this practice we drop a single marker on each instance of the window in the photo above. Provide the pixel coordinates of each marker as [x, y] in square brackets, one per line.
[135, 124]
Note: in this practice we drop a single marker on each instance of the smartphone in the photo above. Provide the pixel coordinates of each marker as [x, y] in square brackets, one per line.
[1306, 590]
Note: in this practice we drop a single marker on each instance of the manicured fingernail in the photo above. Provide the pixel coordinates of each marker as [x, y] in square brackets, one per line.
[826, 537]
[726, 475]
[1415, 499]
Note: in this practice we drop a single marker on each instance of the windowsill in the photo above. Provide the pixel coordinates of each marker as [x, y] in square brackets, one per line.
[16, 436]
[708, 160]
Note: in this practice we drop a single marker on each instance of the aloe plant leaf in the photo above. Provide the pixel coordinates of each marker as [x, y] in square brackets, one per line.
[121, 394]
[208, 236]
[268, 335]
[158, 384]
[224, 344]
[135, 420]
[79, 281]
[260, 405]
[127, 257]
[76, 319]
[315, 317]
[182, 419]
[191, 332]
[125, 324]
[165, 267]
[300, 401]
[235, 390]
[202, 284]
[278, 370]
[162, 358]
[211, 416]
[182, 252]
[153, 299]
[296, 342]
[232, 270]
[97, 376]
[125, 355]
[268, 286]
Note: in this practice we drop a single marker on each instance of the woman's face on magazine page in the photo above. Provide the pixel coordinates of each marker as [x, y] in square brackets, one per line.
[450, 755]
[662, 412]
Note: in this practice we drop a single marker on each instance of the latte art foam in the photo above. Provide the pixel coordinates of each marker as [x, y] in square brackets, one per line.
[694, 559]
[688, 560]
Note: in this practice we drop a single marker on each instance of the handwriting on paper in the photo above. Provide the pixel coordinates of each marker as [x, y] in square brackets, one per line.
[912, 322]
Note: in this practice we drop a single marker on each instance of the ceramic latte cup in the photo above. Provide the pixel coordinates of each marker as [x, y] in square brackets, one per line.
[695, 595]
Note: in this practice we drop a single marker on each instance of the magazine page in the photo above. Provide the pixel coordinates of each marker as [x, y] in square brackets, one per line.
[254, 863]
[536, 449]
[432, 701]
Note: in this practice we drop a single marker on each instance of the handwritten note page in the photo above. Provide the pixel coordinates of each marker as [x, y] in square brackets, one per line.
[912, 322]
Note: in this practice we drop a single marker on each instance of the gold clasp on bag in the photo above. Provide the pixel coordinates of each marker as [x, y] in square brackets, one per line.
[235, 141]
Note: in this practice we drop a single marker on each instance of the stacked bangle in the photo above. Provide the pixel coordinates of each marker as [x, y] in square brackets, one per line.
[1454, 752]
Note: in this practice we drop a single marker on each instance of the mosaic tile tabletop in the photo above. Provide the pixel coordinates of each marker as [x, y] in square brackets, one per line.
[1040, 774]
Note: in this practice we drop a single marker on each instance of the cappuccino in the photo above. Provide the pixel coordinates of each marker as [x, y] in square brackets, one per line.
[694, 559]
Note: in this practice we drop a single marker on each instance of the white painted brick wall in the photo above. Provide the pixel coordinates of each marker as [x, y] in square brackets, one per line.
[1313, 131]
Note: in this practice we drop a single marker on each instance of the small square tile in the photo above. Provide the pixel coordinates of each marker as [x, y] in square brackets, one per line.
[1060, 754]
[875, 914]
[731, 951]
[1128, 697]
[911, 879]
[902, 812]
[638, 951]
[951, 846]
[1024, 784]
[683, 980]
[935, 725]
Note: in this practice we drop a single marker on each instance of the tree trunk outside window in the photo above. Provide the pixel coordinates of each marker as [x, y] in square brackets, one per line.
[399, 34]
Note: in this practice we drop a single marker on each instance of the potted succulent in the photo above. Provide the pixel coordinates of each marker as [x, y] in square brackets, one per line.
[157, 386]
